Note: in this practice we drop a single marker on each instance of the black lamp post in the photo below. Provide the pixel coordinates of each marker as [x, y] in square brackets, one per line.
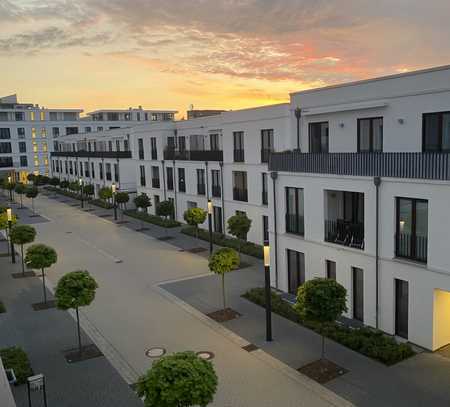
[113, 189]
[13, 252]
[268, 291]
[10, 188]
[81, 191]
[210, 209]
[298, 115]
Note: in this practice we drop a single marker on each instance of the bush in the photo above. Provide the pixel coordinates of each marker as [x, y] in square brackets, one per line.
[15, 358]
[156, 220]
[367, 341]
[2, 308]
[219, 239]
[101, 204]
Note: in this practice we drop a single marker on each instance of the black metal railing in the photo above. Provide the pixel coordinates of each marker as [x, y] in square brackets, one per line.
[155, 183]
[240, 194]
[265, 154]
[201, 189]
[345, 233]
[193, 155]
[238, 156]
[395, 165]
[411, 247]
[92, 154]
[295, 224]
[216, 191]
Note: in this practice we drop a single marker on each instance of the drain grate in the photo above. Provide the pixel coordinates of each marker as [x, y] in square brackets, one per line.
[250, 347]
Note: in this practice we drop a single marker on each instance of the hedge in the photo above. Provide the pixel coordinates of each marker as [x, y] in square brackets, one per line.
[101, 203]
[74, 195]
[219, 239]
[2, 308]
[156, 220]
[64, 192]
[367, 341]
[15, 358]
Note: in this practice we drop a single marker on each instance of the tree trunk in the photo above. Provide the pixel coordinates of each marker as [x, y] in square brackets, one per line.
[21, 201]
[223, 290]
[32, 205]
[323, 345]
[43, 286]
[23, 261]
[196, 231]
[78, 332]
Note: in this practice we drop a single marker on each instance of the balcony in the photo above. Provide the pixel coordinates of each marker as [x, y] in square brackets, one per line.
[193, 155]
[411, 247]
[92, 154]
[240, 194]
[201, 189]
[238, 156]
[435, 166]
[345, 233]
[295, 224]
[216, 191]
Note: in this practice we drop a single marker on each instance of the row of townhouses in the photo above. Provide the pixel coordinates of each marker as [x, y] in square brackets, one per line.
[350, 182]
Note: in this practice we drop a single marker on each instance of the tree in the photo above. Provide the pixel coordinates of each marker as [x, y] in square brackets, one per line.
[32, 192]
[321, 300]
[54, 181]
[89, 191]
[4, 225]
[74, 186]
[74, 290]
[194, 217]
[10, 187]
[142, 202]
[40, 256]
[239, 226]
[105, 193]
[20, 189]
[165, 209]
[31, 177]
[221, 262]
[179, 380]
[23, 234]
[64, 184]
[122, 199]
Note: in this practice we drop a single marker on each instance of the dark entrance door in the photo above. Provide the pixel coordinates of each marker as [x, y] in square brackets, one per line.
[401, 308]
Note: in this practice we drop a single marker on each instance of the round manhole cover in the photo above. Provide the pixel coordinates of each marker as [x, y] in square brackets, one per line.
[156, 352]
[205, 355]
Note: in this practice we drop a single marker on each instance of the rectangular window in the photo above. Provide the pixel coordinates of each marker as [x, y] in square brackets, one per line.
[436, 131]
[217, 215]
[100, 170]
[215, 184]
[318, 137]
[71, 130]
[108, 172]
[358, 293]
[412, 229]
[21, 132]
[142, 172]
[169, 171]
[181, 144]
[196, 142]
[141, 148]
[5, 134]
[295, 211]
[201, 189]
[6, 162]
[154, 150]
[240, 192]
[191, 204]
[65, 167]
[23, 161]
[331, 269]
[296, 270]
[116, 173]
[42, 116]
[5, 148]
[110, 145]
[370, 134]
[32, 116]
[401, 308]
[125, 145]
[87, 129]
[172, 201]
[19, 116]
[70, 168]
[156, 200]
[181, 180]
[55, 131]
[214, 144]
[238, 141]
[117, 145]
[93, 170]
[22, 147]
[265, 223]
[266, 144]
[155, 177]
[265, 193]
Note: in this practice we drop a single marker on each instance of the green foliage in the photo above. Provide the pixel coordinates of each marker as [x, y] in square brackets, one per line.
[142, 201]
[75, 289]
[15, 358]
[4, 220]
[54, 181]
[41, 180]
[89, 190]
[20, 189]
[31, 192]
[74, 186]
[223, 261]
[321, 300]
[101, 204]
[105, 193]
[179, 380]
[239, 226]
[64, 184]
[31, 177]
[165, 208]
[23, 234]
[40, 256]
[2, 308]
[195, 216]
[156, 220]
[122, 198]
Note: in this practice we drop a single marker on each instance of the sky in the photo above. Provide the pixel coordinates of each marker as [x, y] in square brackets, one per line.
[213, 54]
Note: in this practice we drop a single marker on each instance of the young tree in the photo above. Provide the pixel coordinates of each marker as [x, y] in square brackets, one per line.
[105, 194]
[239, 226]
[74, 290]
[165, 209]
[4, 225]
[221, 262]
[40, 256]
[23, 234]
[64, 184]
[10, 187]
[74, 186]
[54, 181]
[322, 300]
[142, 202]
[89, 191]
[31, 178]
[20, 189]
[122, 199]
[195, 217]
[179, 380]
[32, 192]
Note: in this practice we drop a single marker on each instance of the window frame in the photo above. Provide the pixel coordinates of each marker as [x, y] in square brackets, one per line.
[371, 149]
[310, 125]
[440, 132]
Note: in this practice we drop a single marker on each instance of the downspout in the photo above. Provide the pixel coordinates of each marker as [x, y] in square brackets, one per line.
[206, 180]
[298, 115]
[222, 194]
[175, 179]
[274, 176]
[164, 179]
[377, 183]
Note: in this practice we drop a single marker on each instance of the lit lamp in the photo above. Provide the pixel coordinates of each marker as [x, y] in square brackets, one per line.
[113, 190]
[10, 188]
[9, 217]
[402, 226]
[268, 291]
[210, 211]
[80, 181]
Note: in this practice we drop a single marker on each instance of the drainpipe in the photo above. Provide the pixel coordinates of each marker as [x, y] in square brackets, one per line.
[274, 176]
[175, 179]
[222, 194]
[206, 180]
[298, 115]
[377, 183]
[164, 180]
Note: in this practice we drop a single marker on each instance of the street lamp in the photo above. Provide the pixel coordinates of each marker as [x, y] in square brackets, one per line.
[81, 192]
[10, 188]
[10, 218]
[268, 291]
[210, 210]
[113, 190]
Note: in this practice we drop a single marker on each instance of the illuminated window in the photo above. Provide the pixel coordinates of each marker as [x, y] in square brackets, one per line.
[32, 116]
[42, 116]
[46, 162]
[33, 132]
[36, 163]
[43, 132]
[35, 148]
[36, 172]
[44, 147]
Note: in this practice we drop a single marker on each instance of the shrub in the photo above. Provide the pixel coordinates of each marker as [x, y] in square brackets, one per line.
[156, 220]
[105, 193]
[195, 217]
[239, 226]
[15, 358]
[2, 308]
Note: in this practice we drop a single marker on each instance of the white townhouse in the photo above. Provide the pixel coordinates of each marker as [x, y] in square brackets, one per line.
[363, 197]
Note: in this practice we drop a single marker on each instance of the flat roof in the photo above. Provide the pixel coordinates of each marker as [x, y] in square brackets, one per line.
[132, 110]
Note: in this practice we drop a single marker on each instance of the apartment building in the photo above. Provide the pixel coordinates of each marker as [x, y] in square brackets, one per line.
[363, 198]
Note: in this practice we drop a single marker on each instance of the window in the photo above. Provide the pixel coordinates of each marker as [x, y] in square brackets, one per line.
[181, 144]
[191, 204]
[196, 142]
[217, 215]
[71, 130]
[99, 128]
[436, 131]
[117, 145]
[110, 145]
[318, 137]
[238, 140]
[6, 162]
[21, 132]
[81, 169]
[142, 172]
[19, 116]
[116, 173]
[44, 147]
[5, 148]
[296, 270]
[23, 161]
[412, 229]
[70, 168]
[154, 117]
[370, 134]
[146, 116]
[32, 116]
[201, 182]
[22, 147]
[169, 171]
[93, 170]
[5, 134]
[214, 143]
[181, 180]
[65, 165]
[125, 145]
[87, 129]
[108, 172]
[331, 269]
[75, 167]
[33, 133]
[154, 150]
[240, 186]
[53, 116]
[155, 177]
[358, 293]
[42, 116]
[215, 184]
[138, 117]
[141, 148]
[172, 201]
[112, 116]
[265, 194]
[55, 131]
[266, 144]
[100, 170]
[43, 132]
[157, 201]
[295, 211]
[265, 223]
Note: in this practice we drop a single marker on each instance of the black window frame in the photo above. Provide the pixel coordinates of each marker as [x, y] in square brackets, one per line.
[371, 120]
[240, 194]
[155, 177]
[266, 147]
[300, 271]
[216, 189]
[310, 125]
[141, 149]
[201, 184]
[142, 175]
[265, 227]
[440, 131]
[214, 142]
[330, 271]
[298, 226]
[358, 312]
[217, 217]
[238, 147]
[169, 173]
[265, 188]
[181, 180]
[153, 148]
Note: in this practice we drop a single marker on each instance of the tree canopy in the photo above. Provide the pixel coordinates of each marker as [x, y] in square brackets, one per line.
[195, 216]
[75, 289]
[89, 189]
[165, 208]
[142, 201]
[239, 225]
[105, 193]
[40, 256]
[122, 197]
[224, 260]
[31, 192]
[20, 189]
[23, 234]
[54, 181]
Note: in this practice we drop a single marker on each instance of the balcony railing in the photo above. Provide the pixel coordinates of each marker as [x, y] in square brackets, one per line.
[265, 153]
[295, 224]
[92, 154]
[155, 183]
[238, 156]
[345, 233]
[216, 191]
[201, 189]
[193, 155]
[396, 165]
[411, 247]
[240, 194]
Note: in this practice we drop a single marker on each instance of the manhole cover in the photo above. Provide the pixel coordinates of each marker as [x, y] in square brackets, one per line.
[250, 347]
[156, 352]
[205, 355]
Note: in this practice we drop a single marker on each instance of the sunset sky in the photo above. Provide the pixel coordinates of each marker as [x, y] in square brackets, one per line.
[210, 53]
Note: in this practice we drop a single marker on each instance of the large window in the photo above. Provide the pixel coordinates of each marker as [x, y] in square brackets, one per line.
[100, 170]
[266, 144]
[215, 184]
[370, 134]
[265, 194]
[412, 229]
[142, 173]
[214, 142]
[436, 131]
[201, 189]
[169, 171]
[23, 161]
[181, 180]
[331, 269]
[22, 147]
[153, 147]
[141, 149]
[116, 173]
[240, 192]
[155, 177]
[295, 211]
[5, 133]
[108, 172]
[217, 215]
[5, 148]
[6, 162]
[238, 141]
[318, 137]
[358, 293]
[296, 270]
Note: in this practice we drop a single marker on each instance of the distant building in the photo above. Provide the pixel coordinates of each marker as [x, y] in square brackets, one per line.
[195, 114]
